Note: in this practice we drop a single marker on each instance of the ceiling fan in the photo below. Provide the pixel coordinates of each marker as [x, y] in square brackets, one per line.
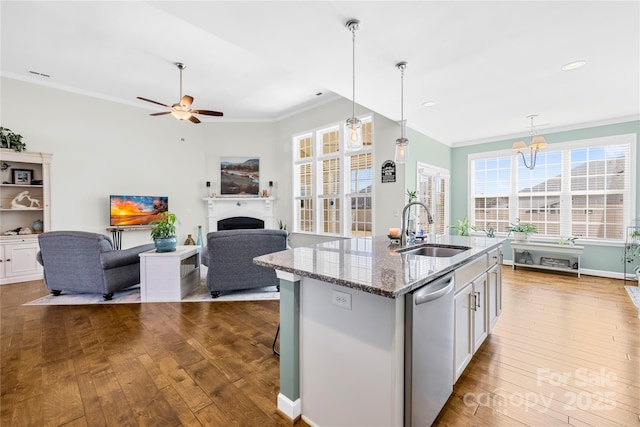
[181, 110]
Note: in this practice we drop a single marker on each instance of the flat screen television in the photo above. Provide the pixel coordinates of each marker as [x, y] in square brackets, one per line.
[136, 210]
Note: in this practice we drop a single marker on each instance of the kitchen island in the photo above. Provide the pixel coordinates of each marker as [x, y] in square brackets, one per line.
[342, 315]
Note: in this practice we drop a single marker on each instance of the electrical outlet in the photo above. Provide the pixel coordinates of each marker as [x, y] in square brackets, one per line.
[341, 299]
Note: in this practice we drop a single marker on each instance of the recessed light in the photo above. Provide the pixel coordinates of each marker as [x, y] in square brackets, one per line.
[428, 103]
[573, 65]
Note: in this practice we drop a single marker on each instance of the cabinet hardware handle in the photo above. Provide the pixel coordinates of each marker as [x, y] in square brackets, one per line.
[8, 259]
[478, 299]
[473, 306]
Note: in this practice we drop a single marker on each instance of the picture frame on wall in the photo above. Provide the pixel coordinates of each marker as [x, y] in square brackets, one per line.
[240, 176]
[22, 176]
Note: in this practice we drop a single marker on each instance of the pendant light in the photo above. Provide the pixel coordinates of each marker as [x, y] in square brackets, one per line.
[536, 143]
[402, 143]
[353, 126]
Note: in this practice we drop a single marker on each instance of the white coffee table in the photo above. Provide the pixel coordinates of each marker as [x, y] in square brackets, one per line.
[169, 276]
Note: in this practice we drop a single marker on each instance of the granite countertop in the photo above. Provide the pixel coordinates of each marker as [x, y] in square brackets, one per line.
[371, 264]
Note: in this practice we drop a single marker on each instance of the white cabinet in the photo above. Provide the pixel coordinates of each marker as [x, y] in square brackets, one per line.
[18, 261]
[477, 306]
[27, 180]
[463, 346]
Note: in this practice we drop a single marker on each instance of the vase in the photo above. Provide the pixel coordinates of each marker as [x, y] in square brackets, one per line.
[166, 244]
[199, 236]
[189, 240]
[520, 237]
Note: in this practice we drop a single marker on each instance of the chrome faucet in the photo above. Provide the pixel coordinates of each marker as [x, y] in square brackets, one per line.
[403, 232]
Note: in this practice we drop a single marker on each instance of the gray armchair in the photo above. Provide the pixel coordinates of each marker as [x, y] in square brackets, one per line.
[229, 257]
[78, 261]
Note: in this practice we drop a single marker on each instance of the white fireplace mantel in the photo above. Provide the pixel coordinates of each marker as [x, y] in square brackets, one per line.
[220, 208]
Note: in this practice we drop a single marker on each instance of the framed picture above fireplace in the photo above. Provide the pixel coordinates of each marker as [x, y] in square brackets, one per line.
[239, 176]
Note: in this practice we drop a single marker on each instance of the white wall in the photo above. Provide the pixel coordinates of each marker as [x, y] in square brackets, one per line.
[101, 147]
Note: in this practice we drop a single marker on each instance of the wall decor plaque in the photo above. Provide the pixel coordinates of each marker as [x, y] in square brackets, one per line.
[388, 171]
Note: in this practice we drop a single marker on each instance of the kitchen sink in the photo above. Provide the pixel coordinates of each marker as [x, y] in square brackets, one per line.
[435, 250]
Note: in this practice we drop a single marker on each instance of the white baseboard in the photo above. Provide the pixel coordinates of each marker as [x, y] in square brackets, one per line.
[289, 408]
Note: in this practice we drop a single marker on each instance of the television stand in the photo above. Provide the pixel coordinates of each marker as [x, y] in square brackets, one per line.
[116, 234]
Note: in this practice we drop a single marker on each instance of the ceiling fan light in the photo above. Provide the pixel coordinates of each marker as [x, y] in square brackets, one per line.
[181, 114]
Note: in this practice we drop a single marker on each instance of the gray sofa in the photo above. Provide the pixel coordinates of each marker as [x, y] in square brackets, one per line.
[229, 257]
[78, 261]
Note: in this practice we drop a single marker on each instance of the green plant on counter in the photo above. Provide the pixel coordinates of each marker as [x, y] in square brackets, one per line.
[567, 240]
[9, 139]
[413, 195]
[463, 227]
[282, 225]
[164, 226]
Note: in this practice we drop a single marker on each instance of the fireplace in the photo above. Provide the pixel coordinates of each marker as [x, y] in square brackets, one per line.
[240, 222]
[226, 213]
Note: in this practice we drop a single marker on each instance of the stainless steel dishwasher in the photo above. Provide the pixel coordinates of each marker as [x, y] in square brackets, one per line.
[428, 369]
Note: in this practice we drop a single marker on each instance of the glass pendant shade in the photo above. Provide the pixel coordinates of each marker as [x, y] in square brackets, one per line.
[353, 134]
[402, 150]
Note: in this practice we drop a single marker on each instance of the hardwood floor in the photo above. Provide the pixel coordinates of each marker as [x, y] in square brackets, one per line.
[565, 351]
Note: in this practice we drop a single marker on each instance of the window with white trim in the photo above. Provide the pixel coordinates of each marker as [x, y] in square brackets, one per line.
[433, 191]
[333, 187]
[579, 188]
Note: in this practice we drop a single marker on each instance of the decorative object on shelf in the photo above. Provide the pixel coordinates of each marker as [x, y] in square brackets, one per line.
[33, 203]
[270, 188]
[4, 166]
[402, 143]
[22, 176]
[536, 143]
[25, 231]
[199, 243]
[353, 125]
[37, 226]
[240, 176]
[9, 139]
[164, 232]
[525, 258]
[181, 110]
[521, 230]
[189, 240]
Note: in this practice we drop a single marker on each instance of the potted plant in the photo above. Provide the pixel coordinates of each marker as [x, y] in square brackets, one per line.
[462, 229]
[164, 232]
[9, 139]
[521, 230]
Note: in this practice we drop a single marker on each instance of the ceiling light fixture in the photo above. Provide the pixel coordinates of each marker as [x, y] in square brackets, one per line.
[573, 65]
[402, 143]
[536, 143]
[353, 126]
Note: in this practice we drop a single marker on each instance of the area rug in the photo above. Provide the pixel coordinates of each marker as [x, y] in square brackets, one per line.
[132, 296]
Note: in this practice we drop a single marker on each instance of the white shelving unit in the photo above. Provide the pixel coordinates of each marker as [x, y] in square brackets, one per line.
[18, 252]
[565, 257]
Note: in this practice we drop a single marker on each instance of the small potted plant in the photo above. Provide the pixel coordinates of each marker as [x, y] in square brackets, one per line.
[521, 230]
[9, 139]
[462, 229]
[164, 232]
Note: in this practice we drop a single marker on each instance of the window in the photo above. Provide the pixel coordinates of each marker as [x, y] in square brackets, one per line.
[433, 191]
[333, 188]
[579, 188]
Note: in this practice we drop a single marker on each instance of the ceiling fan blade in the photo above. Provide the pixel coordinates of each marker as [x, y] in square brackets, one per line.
[152, 101]
[207, 112]
[194, 119]
[186, 101]
[160, 114]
